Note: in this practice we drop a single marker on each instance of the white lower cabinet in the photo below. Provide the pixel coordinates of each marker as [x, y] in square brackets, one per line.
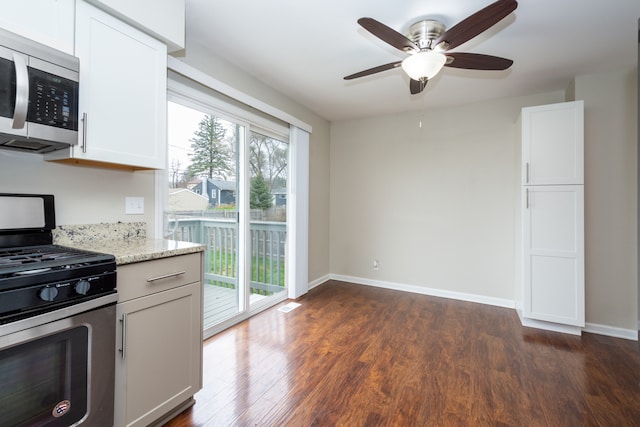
[159, 338]
[553, 250]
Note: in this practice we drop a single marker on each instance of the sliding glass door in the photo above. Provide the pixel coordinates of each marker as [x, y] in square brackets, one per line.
[227, 190]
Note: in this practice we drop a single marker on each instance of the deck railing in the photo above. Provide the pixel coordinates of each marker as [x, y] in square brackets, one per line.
[220, 235]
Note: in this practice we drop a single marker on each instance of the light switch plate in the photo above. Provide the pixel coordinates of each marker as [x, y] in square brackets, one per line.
[134, 205]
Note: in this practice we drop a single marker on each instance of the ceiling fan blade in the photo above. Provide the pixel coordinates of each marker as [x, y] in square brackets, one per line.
[478, 22]
[417, 86]
[374, 70]
[477, 61]
[387, 34]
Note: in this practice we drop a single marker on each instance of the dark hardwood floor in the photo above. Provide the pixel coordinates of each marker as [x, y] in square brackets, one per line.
[355, 355]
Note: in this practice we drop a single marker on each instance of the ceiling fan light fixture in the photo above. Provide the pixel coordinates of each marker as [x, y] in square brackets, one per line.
[424, 64]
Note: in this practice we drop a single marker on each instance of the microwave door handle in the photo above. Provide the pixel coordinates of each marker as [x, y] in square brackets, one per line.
[22, 92]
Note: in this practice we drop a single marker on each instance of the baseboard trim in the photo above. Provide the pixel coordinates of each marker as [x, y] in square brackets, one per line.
[498, 302]
[611, 331]
[319, 281]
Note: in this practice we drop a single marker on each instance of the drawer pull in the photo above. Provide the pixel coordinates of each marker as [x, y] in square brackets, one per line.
[166, 276]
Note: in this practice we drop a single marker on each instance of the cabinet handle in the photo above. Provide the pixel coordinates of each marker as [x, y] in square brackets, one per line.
[527, 172]
[527, 198]
[22, 92]
[166, 276]
[123, 336]
[84, 132]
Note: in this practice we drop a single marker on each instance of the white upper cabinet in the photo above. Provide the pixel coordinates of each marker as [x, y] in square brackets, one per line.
[123, 82]
[163, 20]
[50, 22]
[552, 144]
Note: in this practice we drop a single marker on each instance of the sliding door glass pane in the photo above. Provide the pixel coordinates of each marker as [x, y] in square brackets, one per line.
[202, 202]
[268, 164]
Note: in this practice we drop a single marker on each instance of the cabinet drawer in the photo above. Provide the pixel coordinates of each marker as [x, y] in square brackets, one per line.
[147, 277]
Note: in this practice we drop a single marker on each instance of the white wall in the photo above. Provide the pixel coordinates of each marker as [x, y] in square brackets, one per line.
[611, 188]
[82, 195]
[435, 204]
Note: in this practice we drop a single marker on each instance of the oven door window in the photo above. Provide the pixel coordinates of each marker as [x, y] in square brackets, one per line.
[44, 381]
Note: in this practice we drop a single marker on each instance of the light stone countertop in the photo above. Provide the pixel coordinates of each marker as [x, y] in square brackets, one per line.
[126, 241]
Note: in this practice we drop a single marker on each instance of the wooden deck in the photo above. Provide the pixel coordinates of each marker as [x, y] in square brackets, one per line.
[221, 304]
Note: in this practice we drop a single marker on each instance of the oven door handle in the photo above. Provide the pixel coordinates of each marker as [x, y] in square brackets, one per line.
[123, 335]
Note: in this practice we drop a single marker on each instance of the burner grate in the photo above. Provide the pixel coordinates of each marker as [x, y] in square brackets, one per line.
[22, 260]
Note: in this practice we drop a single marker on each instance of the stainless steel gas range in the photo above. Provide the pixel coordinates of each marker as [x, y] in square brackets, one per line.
[57, 322]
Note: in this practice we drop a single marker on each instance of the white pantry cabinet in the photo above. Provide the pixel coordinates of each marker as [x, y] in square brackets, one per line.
[159, 338]
[552, 220]
[123, 78]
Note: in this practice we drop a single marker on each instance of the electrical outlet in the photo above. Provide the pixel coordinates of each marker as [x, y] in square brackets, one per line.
[134, 205]
[375, 264]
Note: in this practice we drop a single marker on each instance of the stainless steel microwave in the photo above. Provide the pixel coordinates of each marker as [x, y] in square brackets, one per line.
[38, 96]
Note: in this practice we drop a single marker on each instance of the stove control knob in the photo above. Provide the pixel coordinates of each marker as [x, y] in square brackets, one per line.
[48, 293]
[82, 287]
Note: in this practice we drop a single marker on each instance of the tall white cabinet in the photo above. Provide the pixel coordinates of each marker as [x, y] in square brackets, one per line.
[552, 217]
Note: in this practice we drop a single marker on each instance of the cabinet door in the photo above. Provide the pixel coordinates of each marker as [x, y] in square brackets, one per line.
[123, 79]
[553, 237]
[160, 366]
[552, 144]
[50, 22]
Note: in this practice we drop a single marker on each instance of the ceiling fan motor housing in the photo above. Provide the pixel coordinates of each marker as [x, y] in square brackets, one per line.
[424, 32]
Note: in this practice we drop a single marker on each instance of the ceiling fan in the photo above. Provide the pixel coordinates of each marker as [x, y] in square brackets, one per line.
[428, 42]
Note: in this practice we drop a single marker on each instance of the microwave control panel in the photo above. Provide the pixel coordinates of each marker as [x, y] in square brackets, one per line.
[52, 100]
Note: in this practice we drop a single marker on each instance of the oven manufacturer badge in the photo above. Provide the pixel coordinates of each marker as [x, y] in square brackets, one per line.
[61, 408]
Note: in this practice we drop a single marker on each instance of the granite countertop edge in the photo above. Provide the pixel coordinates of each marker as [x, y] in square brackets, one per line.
[139, 250]
[127, 242]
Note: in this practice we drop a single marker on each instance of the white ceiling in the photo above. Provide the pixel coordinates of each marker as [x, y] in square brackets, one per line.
[304, 48]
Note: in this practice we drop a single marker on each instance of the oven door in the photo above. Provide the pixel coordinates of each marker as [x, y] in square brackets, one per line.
[60, 372]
